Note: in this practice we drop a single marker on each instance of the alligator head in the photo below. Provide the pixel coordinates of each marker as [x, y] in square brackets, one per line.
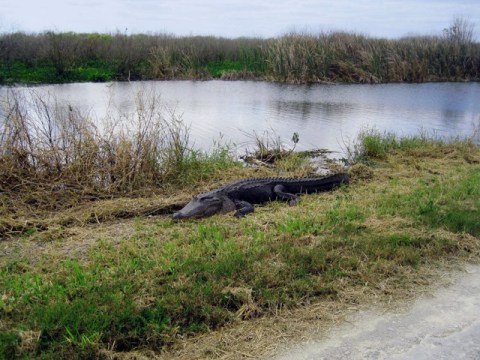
[205, 205]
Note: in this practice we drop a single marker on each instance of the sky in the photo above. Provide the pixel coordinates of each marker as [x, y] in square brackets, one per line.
[236, 18]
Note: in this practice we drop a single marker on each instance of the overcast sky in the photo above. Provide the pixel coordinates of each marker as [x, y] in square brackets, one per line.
[234, 18]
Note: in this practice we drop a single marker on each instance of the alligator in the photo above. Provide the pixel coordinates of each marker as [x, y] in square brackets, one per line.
[241, 195]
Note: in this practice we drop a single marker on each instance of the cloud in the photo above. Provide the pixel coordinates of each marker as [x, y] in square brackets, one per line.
[232, 18]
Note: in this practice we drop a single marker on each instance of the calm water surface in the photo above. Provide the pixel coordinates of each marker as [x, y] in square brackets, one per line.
[325, 116]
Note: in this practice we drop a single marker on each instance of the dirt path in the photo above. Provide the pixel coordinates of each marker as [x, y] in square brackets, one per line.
[444, 325]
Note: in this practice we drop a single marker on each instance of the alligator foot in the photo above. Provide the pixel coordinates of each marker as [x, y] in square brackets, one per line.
[293, 202]
[244, 208]
[280, 191]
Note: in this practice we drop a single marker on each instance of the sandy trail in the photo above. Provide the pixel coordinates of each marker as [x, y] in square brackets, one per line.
[444, 325]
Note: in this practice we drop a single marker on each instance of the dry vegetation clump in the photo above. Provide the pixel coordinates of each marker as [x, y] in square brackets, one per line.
[54, 158]
[46, 144]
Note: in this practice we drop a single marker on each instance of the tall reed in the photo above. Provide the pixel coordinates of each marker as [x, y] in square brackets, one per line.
[55, 148]
[293, 57]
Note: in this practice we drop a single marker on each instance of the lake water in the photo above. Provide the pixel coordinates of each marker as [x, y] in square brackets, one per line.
[324, 116]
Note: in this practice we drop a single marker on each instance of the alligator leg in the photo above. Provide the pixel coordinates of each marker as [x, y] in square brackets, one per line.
[243, 208]
[281, 193]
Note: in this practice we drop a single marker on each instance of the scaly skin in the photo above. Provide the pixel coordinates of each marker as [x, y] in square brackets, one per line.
[241, 195]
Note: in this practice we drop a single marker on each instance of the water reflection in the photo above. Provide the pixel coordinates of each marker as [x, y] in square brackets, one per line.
[323, 115]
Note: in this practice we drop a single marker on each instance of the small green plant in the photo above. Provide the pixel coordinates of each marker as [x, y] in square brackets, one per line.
[372, 144]
[219, 68]
[269, 147]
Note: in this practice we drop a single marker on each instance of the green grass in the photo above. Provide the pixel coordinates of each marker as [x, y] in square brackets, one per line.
[29, 74]
[199, 166]
[451, 203]
[249, 62]
[219, 68]
[92, 74]
[21, 73]
[166, 279]
[372, 144]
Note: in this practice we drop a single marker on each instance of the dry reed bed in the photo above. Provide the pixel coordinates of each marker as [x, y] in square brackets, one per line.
[295, 57]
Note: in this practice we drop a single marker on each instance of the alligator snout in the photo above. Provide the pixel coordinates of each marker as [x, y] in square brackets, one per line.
[178, 215]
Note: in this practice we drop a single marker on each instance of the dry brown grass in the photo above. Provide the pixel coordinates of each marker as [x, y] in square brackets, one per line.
[50, 147]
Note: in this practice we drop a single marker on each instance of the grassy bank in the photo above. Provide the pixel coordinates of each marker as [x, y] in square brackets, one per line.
[300, 58]
[86, 289]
